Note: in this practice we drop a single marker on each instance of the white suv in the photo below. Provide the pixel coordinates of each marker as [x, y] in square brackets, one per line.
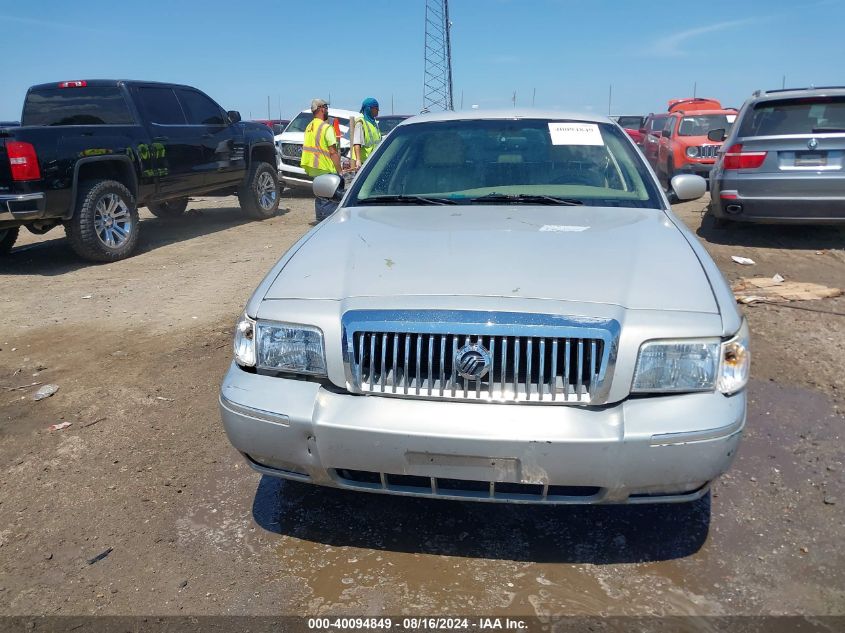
[289, 145]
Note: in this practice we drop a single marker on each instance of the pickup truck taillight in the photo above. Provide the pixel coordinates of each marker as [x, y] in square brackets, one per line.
[735, 158]
[23, 160]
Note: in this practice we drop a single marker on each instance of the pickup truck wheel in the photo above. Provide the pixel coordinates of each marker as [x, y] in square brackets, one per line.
[105, 225]
[7, 239]
[168, 208]
[259, 196]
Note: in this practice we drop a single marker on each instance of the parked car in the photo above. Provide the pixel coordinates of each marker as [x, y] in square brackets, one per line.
[632, 126]
[651, 131]
[90, 152]
[9, 123]
[387, 122]
[785, 159]
[489, 315]
[289, 145]
[684, 147]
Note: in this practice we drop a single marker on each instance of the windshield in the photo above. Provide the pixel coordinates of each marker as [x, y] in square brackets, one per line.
[300, 122]
[796, 116]
[507, 162]
[702, 124]
[386, 125]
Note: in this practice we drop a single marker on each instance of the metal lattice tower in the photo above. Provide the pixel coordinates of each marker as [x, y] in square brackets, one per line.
[437, 80]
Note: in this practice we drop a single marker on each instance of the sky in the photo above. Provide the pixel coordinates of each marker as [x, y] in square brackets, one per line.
[626, 56]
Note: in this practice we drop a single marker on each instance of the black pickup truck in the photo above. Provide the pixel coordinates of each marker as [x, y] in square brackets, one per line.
[89, 153]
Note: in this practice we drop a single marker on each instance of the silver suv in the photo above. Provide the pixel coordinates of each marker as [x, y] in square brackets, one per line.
[783, 160]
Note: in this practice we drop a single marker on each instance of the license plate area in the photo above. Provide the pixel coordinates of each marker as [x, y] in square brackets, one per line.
[811, 159]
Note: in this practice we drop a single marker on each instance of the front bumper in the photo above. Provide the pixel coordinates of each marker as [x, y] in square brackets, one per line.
[295, 177]
[641, 450]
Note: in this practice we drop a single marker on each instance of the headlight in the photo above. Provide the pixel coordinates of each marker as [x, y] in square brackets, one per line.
[692, 152]
[674, 366]
[736, 362]
[694, 365]
[245, 342]
[290, 347]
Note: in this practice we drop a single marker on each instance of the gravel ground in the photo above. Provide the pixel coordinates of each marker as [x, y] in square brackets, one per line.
[141, 506]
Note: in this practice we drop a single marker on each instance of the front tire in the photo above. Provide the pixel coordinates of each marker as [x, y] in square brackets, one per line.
[259, 196]
[7, 239]
[105, 225]
[169, 208]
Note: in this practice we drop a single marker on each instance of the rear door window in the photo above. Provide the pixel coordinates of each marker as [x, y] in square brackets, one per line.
[795, 116]
[199, 109]
[160, 105]
[101, 105]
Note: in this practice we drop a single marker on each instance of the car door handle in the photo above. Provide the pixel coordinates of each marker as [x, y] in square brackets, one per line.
[207, 135]
[159, 139]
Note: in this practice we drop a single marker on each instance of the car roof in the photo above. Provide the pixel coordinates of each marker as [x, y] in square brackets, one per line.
[96, 83]
[518, 113]
[798, 93]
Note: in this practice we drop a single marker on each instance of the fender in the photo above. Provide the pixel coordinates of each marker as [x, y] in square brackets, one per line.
[252, 145]
[98, 159]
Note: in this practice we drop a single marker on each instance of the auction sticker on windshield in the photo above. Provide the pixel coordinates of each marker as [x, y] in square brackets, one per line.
[575, 134]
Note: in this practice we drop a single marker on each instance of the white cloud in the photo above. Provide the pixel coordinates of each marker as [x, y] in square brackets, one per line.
[671, 45]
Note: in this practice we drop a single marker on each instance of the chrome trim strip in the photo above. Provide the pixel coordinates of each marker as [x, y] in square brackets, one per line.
[722, 432]
[255, 414]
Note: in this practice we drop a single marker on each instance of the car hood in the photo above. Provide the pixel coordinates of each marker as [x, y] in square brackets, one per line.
[635, 258]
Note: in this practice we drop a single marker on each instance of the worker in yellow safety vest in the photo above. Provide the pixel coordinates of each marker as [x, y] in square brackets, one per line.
[366, 135]
[320, 153]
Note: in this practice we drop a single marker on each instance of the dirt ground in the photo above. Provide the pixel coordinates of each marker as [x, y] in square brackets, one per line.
[141, 506]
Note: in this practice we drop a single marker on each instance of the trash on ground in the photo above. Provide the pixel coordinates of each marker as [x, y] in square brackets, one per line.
[59, 427]
[750, 290]
[100, 556]
[745, 261]
[165, 399]
[88, 297]
[45, 392]
[32, 384]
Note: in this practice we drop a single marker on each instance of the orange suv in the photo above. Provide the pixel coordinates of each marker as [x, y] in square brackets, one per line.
[684, 147]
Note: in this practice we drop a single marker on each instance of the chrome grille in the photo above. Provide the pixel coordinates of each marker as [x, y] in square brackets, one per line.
[528, 358]
[708, 151]
[292, 150]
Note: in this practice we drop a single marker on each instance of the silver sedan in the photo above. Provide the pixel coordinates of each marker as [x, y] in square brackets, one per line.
[503, 308]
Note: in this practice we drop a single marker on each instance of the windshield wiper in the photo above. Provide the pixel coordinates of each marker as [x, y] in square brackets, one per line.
[526, 198]
[822, 130]
[404, 200]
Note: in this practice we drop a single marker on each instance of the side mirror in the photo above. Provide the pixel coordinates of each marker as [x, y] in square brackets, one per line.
[687, 187]
[717, 135]
[658, 133]
[234, 116]
[326, 186]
